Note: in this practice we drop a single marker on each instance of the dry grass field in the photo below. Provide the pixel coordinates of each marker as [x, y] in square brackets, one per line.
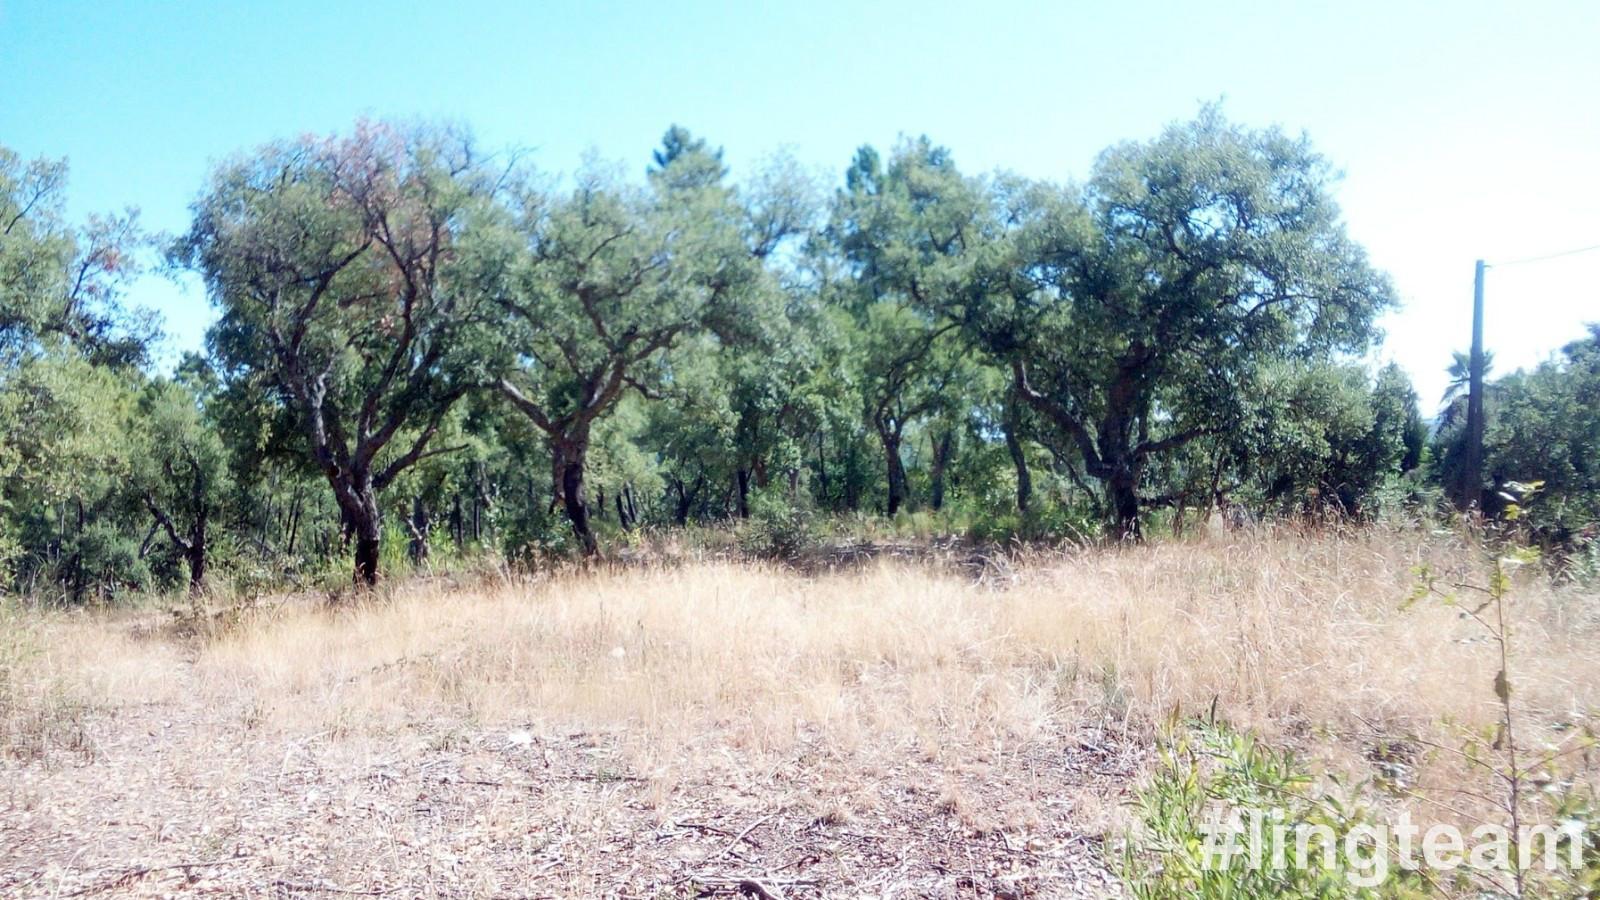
[696, 727]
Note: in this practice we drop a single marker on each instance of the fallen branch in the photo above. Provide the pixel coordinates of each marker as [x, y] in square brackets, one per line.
[746, 885]
[742, 836]
[328, 888]
[701, 826]
[753, 888]
[135, 873]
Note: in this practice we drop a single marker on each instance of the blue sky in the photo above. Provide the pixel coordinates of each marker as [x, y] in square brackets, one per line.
[1464, 129]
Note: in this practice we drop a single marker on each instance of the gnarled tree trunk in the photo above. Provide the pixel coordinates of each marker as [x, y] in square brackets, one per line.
[686, 497]
[195, 553]
[896, 469]
[570, 458]
[193, 545]
[1019, 460]
[1122, 486]
[366, 526]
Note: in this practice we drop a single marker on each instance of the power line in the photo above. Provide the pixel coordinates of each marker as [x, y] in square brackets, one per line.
[1534, 259]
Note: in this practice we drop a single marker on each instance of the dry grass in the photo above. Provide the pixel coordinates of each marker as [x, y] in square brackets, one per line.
[1283, 631]
[1297, 635]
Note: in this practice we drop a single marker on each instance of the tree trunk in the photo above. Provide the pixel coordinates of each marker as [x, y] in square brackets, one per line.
[822, 471]
[743, 479]
[294, 520]
[264, 527]
[1122, 490]
[1214, 495]
[366, 573]
[943, 444]
[896, 470]
[1019, 459]
[685, 501]
[852, 487]
[420, 524]
[195, 553]
[571, 458]
[366, 525]
[77, 557]
[625, 509]
[196, 557]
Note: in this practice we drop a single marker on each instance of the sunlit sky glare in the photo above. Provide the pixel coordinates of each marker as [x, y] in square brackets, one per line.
[1463, 129]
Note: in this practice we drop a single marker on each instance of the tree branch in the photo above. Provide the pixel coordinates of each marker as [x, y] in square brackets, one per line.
[1062, 417]
[1149, 448]
[166, 523]
[528, 407]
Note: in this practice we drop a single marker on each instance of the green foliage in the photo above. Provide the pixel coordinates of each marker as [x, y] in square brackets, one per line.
[1323, 436]
[1203, 774]
[610, 278]
[781, 526]
[1047, 518]
[181, 471]
[66, 460]
[1546, 426]
[1541, 424]
[425, 354]
[59, 284]
[899, 249]
[1136, 312]
[354, 275]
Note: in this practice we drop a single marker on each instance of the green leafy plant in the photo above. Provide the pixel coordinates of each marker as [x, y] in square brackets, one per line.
[780, 526]
[1209, 769]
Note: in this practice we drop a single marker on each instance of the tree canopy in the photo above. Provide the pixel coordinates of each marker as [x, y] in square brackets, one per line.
[425, 350]
[356, 277]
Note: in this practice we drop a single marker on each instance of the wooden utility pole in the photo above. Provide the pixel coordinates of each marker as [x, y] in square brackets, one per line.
[1472, 471]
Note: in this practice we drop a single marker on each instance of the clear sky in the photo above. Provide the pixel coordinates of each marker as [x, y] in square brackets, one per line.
[1464, 129]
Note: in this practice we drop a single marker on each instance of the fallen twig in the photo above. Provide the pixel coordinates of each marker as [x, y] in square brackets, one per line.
[747, 885]
[136, 872]
[325, 887]
[701, 826]
[742, 836]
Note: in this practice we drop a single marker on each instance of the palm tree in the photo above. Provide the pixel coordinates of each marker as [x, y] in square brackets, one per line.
[1453, 406]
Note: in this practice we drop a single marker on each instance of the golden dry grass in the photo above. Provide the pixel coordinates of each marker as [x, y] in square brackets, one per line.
[1291, 633]
[897, 699]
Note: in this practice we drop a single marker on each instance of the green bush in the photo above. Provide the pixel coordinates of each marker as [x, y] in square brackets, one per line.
[1208, 770]
[780, 526]
[1047, 519]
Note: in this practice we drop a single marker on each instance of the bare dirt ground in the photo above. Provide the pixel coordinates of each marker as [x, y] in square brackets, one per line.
[174, 799]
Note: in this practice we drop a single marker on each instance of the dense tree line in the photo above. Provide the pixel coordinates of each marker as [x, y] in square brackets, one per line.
[423, 347]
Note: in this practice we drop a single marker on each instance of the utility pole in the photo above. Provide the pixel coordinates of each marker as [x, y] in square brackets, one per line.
[1472, 474]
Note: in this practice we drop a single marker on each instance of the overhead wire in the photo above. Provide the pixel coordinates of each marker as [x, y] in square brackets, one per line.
[1534, 259]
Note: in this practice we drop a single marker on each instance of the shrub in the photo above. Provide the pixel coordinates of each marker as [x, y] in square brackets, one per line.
[1208, 770]
[1046, 519]
[780, 526]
